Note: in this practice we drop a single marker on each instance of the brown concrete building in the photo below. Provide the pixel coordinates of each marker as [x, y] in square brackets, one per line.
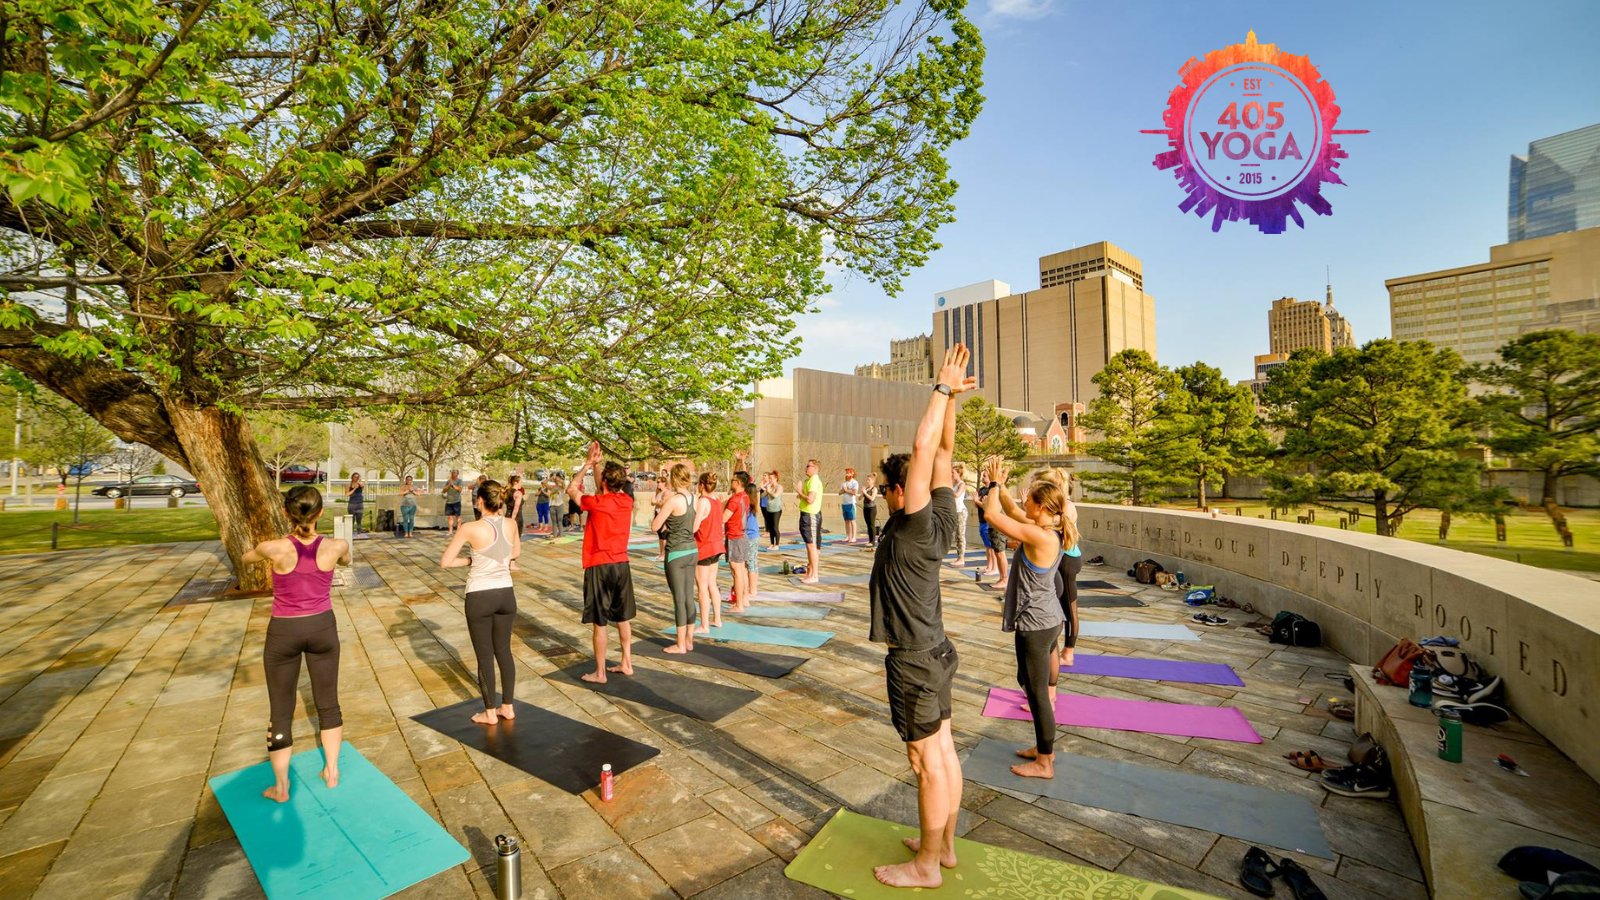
[1035, 349]
[1544, 282]
[1306, 325]
[910, 362]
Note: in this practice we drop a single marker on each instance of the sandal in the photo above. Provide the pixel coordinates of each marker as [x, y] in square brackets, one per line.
[1342, 709]
[1299, 881]
[1310, 761]
[1256, 871]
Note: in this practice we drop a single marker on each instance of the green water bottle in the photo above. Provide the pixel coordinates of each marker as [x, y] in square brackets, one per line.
[1450, 735]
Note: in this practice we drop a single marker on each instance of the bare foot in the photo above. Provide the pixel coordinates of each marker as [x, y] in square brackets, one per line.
[1030, 753]
[487, 717]
[277, 794]
[330, 777]
[507, 711]
[595, 677]
[675, 649]
[947, 859]
[907, 874]
[702, 629]
[818, 581]
[716, 624]
[1043, 767]
[623, 668]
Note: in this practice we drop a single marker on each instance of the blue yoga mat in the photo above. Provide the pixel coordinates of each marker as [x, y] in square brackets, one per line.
[764, 634]
[786, 611]
[363, 840]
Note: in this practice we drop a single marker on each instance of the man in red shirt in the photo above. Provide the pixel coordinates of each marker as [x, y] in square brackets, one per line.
[607, 579]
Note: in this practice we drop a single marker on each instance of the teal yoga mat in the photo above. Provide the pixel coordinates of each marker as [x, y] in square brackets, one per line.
[764, 634]
[363, 840]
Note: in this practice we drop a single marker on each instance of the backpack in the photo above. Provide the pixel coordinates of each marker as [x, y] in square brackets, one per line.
[1295, 630]
[1145, 571]
[1200, 595]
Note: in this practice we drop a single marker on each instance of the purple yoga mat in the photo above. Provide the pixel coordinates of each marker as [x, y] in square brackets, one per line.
[1153, 669]
[792, 597]
[1224, 723]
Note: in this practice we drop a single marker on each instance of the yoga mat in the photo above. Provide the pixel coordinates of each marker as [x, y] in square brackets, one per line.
[827, 549]
[704, 700]
[1153, 669]
[841, 857]
[786, 611]
[553, 748]
[1101, 586]
[1255, 815]
[1139, 630]
[1107, 601]
[825, 578]
[795, 596]
[362, 840]
[720, 656]
[1223, 723]
[763, 634]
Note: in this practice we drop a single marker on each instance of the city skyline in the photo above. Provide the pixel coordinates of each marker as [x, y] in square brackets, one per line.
[1056, 160]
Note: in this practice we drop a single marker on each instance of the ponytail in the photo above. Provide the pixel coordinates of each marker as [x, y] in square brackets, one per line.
[303, 506]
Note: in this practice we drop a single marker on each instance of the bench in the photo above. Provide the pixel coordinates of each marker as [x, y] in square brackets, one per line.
[1464, 816]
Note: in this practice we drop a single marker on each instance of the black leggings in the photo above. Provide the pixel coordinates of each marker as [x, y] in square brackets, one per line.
[870, 513]
[489, 617]
[1067, 590]
[680, 581]
[1036, 655]
[288, 638]
[772, 524]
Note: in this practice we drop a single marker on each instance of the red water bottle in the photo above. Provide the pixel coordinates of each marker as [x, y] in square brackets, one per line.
[606, 787]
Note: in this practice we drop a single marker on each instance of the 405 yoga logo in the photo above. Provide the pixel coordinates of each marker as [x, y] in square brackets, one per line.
[1251, 132]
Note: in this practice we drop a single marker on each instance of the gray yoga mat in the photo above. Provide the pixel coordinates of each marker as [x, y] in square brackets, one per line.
[1137, 630]
[825, 578]
[1105, 601]
[1253, 814]
[692, 697]
[718, 656]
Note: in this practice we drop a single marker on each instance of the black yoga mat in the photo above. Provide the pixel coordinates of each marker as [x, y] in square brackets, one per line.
[704, 700]
[553, 748]
[721, 656]
[1100, 585]
[1102, 601]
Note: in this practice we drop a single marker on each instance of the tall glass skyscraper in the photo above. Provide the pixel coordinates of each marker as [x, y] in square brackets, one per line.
[1556, 187]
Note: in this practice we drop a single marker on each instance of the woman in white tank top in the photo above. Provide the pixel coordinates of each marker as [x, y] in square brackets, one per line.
[491, 601]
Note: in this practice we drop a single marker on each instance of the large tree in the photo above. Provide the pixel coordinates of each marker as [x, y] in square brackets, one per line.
[985, 434]
[1543, 408]
[1219, 433]
[231, 205]
[1385, 426]
[1133, 427]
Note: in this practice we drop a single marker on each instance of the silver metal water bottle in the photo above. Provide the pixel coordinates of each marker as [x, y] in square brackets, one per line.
[508, 868]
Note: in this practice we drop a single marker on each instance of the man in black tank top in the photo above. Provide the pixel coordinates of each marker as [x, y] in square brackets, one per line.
[907, 614]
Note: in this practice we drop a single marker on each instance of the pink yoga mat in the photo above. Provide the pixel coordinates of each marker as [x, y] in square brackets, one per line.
[1224, 723]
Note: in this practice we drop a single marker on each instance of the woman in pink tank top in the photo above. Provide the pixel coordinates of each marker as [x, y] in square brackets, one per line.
[302, 625]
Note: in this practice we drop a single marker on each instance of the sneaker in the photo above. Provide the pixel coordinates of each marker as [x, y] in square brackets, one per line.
[1476, 713]
[1095, 561]
[1357, 781]
[1207, 619]
[1464, 689]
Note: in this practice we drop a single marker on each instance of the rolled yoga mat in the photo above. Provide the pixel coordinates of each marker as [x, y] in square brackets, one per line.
[763, 634]
[840, 860]
[1136, 630]
[1153, 669]
[707, 701]
[1223, 723]
[362, 840]
[720, 656]
[550, 747]
[1252, 814]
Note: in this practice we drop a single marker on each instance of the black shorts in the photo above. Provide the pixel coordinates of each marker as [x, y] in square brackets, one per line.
[919, 689]
[453, 509]
[607, 594]
[711, 560]
[810, 529]
[1000, 541]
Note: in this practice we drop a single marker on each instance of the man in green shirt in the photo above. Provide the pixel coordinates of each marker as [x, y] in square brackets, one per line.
[809, 492]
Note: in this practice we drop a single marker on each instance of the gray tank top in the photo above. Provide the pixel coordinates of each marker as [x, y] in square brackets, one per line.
[680, 529]
[491, 566]
[1031, 600]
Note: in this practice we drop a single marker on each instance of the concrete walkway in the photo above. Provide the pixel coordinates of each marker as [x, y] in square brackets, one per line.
[117, 705]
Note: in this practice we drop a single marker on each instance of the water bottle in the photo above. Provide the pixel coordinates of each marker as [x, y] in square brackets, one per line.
[1421, 686]
[1449, 735]
[508, 868]
[607, 787]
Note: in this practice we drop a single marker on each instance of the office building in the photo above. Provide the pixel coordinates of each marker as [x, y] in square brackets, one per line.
[1306, 325]
[910, 362]
[1556, 187]
[1035, 349]
[1531, 285]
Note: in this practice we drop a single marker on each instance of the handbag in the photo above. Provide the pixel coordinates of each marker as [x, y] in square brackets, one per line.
[1395, 666]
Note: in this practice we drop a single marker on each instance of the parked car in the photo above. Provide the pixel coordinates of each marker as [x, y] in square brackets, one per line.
[298, 474]
[150, 486]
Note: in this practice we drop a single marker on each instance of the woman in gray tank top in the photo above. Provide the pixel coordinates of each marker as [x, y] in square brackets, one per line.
[1032, 609]
[675, 519]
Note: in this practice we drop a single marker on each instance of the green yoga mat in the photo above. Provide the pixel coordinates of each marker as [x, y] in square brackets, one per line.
[841, 857]
[363, 840]
[763, 634]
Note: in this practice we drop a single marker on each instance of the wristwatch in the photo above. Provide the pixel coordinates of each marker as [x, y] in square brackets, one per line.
[942, 388]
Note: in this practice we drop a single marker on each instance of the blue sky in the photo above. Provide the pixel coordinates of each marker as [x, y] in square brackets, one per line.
[1450, 90]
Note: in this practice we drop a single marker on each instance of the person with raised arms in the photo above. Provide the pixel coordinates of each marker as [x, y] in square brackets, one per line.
[1066, 573]
[1032, 610]
[709, 532]
[302, 625]
[607, 575]
[907, 614]
[491, 599]
[734, 511]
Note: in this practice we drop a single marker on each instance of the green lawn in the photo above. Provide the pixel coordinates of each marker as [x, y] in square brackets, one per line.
[28, 531]
[1530, 538]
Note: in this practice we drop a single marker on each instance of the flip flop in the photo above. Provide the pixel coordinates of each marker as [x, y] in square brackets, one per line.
[1342, 709]
[1299, 881]
[1256, 871]
[1310, 761]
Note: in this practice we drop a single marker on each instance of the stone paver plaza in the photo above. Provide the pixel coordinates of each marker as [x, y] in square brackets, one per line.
[117, 705]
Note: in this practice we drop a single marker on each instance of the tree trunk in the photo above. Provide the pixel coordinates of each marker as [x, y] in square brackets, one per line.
[1380, 513]
[1547, 499]
[1200, 489]
[225, 460]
